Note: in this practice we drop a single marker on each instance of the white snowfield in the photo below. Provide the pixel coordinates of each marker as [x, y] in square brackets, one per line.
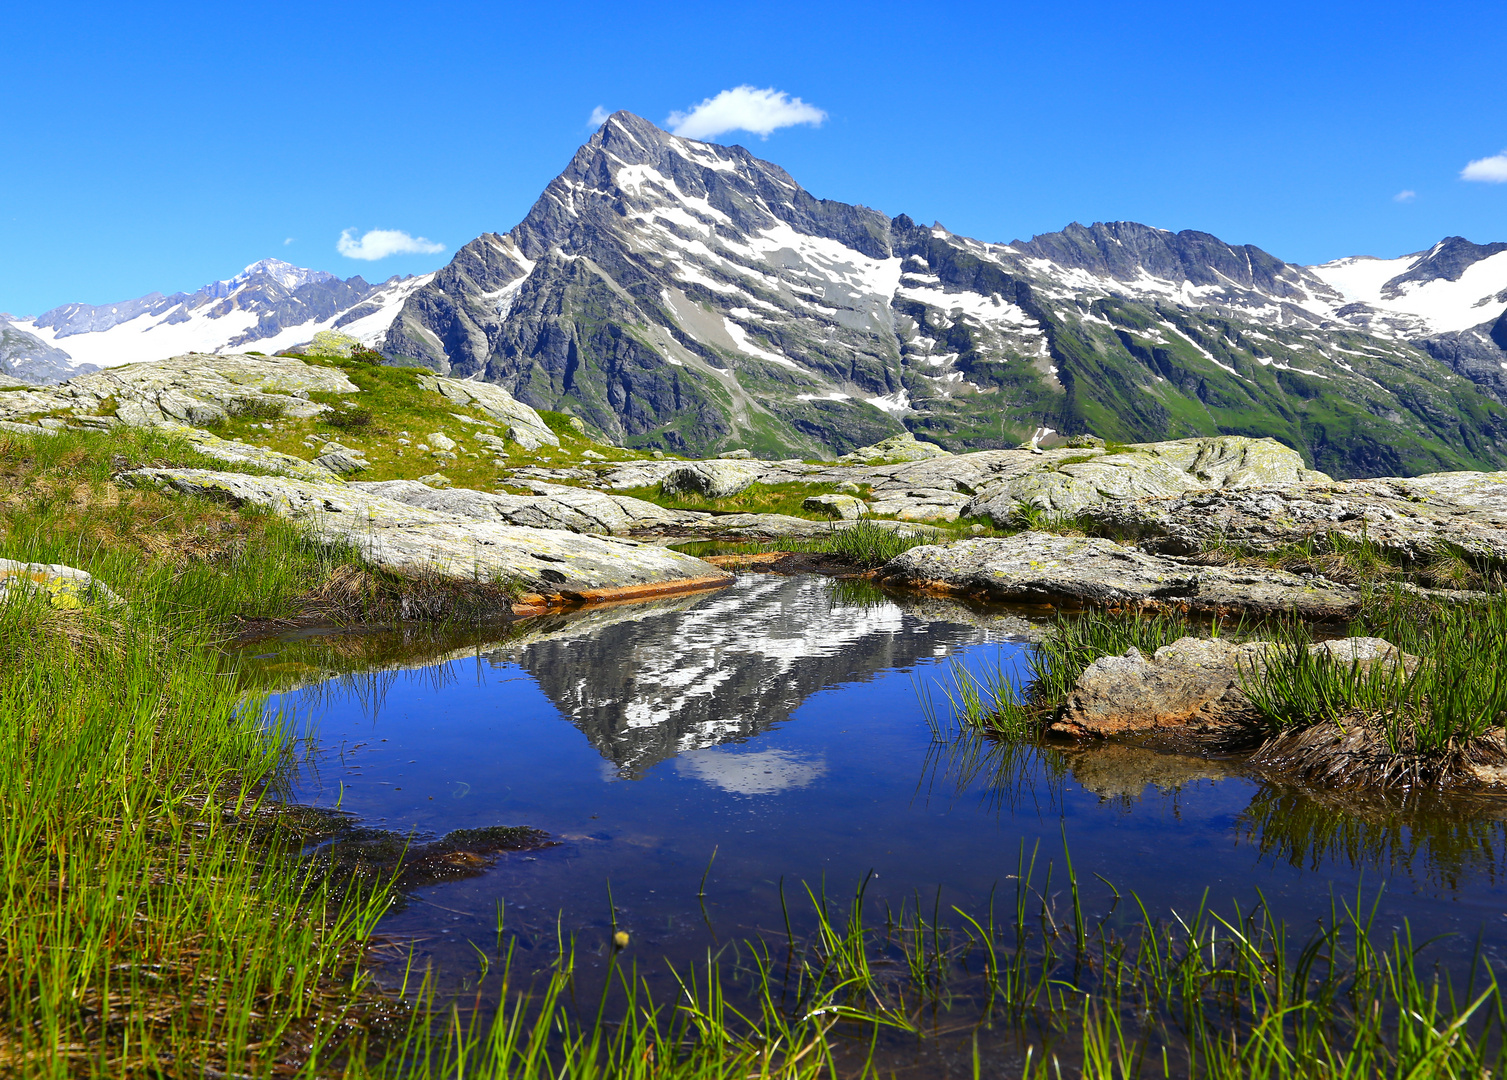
[1443, 306]
[214, 323]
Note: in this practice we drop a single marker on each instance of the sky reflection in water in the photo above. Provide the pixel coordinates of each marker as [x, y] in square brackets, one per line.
[778, 724]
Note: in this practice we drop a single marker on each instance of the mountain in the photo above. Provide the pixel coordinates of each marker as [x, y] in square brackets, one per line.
[690, 296]
[271, 305]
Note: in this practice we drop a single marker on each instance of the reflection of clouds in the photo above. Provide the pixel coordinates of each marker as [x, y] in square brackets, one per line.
[762, 772]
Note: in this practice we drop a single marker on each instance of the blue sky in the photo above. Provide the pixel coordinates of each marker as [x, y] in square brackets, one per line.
[154, 147]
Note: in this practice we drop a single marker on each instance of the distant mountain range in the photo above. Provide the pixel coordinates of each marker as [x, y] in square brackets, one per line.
[690, 296]
[269, 306]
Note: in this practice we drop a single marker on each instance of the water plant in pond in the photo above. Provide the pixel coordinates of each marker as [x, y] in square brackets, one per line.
[1427, 716]
[1408, 720]
[1094, 987]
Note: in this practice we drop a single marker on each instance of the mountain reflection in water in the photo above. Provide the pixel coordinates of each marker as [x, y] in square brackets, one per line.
[777, 723]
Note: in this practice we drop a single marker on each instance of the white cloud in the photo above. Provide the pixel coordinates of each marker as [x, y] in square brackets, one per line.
[1491, 170]
[744, 108]
[1405, 196]
[287, 241]
[380, 243]
[599, 117]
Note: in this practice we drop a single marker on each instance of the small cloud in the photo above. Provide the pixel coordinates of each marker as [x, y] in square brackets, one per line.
[599, 117]
[744, 108]
[380, 243]
[1405, 196]
[287, 241]
[1490, 170]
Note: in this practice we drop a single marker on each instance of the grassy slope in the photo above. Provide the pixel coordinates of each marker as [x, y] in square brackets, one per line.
[143, 927]
[395, 403]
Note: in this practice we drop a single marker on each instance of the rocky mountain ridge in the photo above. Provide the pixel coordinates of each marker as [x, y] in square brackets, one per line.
[689, 296]
[269, 306]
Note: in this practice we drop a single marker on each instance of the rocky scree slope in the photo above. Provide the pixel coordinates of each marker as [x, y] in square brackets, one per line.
[691, 297]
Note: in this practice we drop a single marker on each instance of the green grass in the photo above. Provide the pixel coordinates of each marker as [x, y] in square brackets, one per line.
[1456, 694]
[146, 922]
[754, 499]
[392, 401]
[863, 546]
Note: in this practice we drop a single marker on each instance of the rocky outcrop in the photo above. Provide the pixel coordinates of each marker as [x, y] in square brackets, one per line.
[234, 452]
[61, 586]
[1038, 567]
[1068, 482]
[785, 527]
[716, 479]
[1193, 683]
[200, 389]
[553, 506]
[195, 389]
[1412, 517]
[994, 484]
[411, 539]
[896, 450]
[523, 425]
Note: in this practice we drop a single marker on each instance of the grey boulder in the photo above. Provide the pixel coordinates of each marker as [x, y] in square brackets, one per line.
[1038, 567]
[553, 506]
[836, 507]
[712, 479]
[411, 539]
[61, 586]
[1196, 683]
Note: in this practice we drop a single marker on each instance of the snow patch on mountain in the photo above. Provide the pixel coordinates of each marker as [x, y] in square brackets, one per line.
[1440, 306]
[270, 306]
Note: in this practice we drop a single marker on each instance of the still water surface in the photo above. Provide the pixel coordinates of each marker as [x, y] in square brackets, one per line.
[779, 724]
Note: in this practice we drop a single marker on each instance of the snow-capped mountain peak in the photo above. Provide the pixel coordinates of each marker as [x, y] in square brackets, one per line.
[285, 274]
[270, 305]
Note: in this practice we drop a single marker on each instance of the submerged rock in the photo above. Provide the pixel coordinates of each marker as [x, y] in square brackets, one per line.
[411, 539]
[1038, 567]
